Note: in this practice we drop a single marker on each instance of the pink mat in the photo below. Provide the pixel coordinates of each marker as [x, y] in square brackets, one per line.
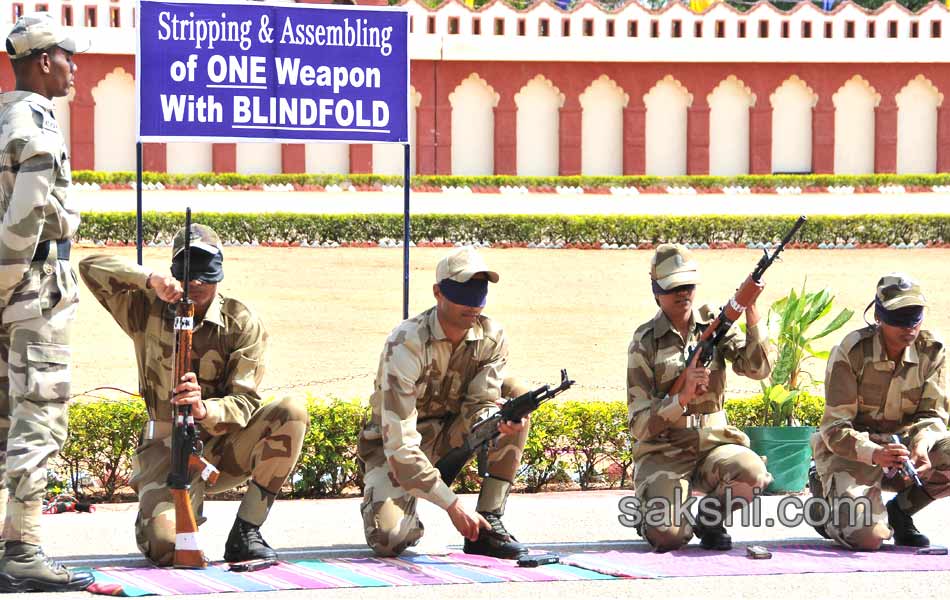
[786, 559]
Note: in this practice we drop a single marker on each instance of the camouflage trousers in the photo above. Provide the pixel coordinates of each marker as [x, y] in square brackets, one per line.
[35, 364]
[265, 451]
[661, 478]
[390, 521]
[863, 525]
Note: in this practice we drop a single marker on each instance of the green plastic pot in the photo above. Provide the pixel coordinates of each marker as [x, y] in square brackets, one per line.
[788, 454]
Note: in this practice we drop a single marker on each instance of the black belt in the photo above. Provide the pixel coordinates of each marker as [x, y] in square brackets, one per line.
[62, 250]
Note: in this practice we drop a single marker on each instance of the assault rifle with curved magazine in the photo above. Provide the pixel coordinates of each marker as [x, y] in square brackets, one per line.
[486, 431]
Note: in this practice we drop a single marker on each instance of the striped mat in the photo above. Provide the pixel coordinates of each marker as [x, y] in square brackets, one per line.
[329, 574]
[787, 558]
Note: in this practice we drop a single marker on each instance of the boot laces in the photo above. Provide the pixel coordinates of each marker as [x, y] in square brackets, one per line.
[496, 525]
[251, 534]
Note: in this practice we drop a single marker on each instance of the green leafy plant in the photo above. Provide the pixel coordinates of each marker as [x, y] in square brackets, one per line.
[791, 318]
[328, 460]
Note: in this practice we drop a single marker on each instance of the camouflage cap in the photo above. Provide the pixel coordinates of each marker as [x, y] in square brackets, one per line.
[672, 266]
[460, 264]
[202, 237]
[898, 290]
[40, 31]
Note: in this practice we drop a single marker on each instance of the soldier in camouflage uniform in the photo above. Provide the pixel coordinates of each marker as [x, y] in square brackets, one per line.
[439, 373]
[683, 440]
[883, 380]
[38, 296]
[243, 439]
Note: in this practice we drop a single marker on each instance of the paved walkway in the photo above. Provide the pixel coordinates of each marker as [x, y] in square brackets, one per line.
[469, 203]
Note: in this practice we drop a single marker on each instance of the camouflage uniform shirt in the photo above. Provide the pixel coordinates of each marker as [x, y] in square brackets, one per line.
[227, 345]
[34, 177]
[656, 357]
[866, 393]
[421, 377]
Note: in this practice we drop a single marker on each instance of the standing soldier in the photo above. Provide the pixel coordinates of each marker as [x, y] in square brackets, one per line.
[883, 380]
[439, 373]
[38, 296]
[683, 440]
[243, 439]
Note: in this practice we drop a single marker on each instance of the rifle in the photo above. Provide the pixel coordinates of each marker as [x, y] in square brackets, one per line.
[186, 446]
[733, 309]
[486, 431]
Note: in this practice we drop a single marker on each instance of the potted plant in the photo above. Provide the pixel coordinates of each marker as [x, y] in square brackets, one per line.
[780, 438]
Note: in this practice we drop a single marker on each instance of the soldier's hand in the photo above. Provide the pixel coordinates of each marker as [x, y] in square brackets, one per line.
[166, 287]
[697, 381]
[189, 392]
[920, 456]
[752, 315]
[890, 456]
[512, 427]
[468, 524]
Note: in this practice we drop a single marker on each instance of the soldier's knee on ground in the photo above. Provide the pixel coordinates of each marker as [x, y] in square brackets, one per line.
[666, 538]
[156, 543]
[388, 529]
[512, 387]
[866, 538]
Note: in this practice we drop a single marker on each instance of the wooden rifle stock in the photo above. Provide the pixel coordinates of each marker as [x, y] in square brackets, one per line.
[701, 354]
[186, 447]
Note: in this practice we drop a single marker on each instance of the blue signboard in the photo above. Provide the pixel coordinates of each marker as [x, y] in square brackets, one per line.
[272, 72]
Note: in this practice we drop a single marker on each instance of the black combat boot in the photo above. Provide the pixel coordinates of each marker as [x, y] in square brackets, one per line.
[25, 568]
[245, 543]
[905, 533]
[712, 537]
[496, 541]
[814, 486]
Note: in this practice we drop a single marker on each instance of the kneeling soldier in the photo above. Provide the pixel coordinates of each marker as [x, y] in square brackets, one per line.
[439, 373]
[883, 380]
[243, 439]
[683, 440]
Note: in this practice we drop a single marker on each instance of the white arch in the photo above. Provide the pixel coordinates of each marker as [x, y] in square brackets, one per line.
[917, 104]
[854, 126]
[327, 158]
[388, 158]
[539, 103]
[667, 104]
[114, 129]
[473, 127]
[602, 127]
[792, 104]
[729, 107]
[258, 158]
[188, 157]
[63, 117]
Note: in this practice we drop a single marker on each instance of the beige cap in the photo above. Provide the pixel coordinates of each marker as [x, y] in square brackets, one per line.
[898, 290]
[40, 31]
[673, 265]
[461, 264]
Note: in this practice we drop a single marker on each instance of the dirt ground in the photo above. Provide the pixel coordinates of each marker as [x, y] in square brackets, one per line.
[328, 311]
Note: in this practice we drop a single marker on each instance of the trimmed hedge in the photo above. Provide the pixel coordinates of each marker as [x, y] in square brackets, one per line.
[603, 182]
[569, 441]
[289, 228]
